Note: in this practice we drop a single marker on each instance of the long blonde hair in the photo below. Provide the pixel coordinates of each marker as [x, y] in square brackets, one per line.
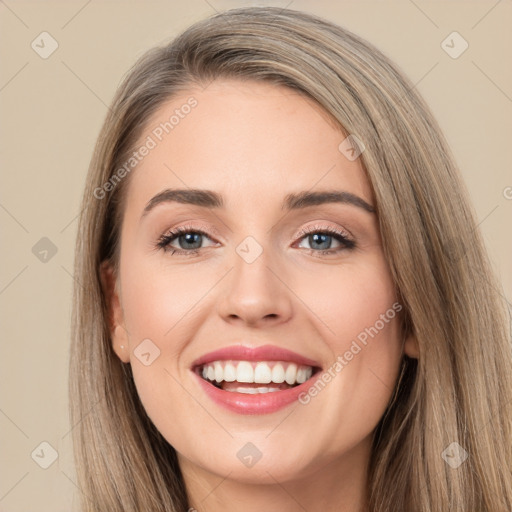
[458, 391]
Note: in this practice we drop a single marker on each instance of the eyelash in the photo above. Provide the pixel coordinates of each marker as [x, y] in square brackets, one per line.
[340, 236]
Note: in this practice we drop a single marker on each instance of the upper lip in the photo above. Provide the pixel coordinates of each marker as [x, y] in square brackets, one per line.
[248, 353]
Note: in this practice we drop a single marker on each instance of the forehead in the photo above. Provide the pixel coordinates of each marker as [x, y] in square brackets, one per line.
[245, 140]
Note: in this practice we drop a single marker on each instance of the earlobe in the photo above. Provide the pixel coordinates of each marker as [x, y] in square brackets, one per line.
[115, 317]
[411, 347]
[120, 344]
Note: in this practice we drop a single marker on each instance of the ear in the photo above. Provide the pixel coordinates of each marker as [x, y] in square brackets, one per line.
[115, 315]
[411, 347]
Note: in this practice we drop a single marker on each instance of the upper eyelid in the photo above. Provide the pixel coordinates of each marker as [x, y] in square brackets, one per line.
[204, 230]
[303, 232]
[330, 229]
[208, 231]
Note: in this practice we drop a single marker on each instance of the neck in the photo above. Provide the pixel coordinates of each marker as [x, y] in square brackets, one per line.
[339, 484]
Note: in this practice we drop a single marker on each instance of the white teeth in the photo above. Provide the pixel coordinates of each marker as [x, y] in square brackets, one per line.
[253, 391]
[309, 373]
[261, 372]
[291, 374]
[229, 373]
[303, 374]
[219, 372]
[244, 372]
[278, 373]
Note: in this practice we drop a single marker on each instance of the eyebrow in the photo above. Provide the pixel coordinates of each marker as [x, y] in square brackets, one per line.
[210, 199]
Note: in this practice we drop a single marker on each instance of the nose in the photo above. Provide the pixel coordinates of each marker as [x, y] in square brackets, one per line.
[255, 293]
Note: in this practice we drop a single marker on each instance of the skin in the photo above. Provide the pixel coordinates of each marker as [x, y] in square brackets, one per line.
[254, 143]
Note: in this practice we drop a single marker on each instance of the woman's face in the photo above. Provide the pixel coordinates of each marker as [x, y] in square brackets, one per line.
[282, 251]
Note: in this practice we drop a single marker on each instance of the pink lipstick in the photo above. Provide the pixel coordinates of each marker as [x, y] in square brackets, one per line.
[254, 380]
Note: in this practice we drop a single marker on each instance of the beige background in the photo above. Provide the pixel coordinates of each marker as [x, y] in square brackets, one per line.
[51, 112]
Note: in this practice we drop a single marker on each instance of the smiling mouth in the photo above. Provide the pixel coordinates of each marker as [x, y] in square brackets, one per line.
[255, 377]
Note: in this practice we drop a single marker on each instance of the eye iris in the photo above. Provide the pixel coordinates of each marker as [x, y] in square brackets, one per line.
[323, 236]
[189, 239]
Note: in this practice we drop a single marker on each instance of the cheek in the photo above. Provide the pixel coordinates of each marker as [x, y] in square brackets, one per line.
[161, 304]
[155, 300]
[350, 299]
[156, 307]
[360, 324]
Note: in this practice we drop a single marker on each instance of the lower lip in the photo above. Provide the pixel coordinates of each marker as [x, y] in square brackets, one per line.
[261, 403]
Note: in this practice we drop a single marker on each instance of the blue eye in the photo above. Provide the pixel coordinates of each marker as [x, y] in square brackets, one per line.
[190, 240]
[322, 238]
